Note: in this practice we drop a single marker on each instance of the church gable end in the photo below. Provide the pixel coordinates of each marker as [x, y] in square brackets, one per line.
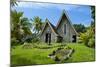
[65, 28]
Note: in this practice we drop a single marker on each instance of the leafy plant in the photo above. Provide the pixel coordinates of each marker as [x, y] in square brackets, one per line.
[37, 23]
[79, 28]
[20, 26]
[91, 42]
[87, 37]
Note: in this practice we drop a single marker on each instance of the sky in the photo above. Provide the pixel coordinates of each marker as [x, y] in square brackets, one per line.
[77, 13]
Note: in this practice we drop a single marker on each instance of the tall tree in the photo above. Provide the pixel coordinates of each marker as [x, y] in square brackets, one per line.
[20, 26]
[79, 28]
[88, 38]
[93, 16]
[13, 3]
[15, 22]
[37, 23]
[93, 12]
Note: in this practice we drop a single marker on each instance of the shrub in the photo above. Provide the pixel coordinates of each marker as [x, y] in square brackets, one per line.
[27, 46]
[35, 40]
[91, 42]
[14, 41]
[88, 38]
[84, 37]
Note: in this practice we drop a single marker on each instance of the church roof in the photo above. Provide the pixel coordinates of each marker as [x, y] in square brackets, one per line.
[54, 28]
[65, 14]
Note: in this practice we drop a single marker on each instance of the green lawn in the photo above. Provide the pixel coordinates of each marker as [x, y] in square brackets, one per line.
[39, 55]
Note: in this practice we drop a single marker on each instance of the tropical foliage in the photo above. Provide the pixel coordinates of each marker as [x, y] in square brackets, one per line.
[13, 3]
[38, 24]
[88, 38]
[20, 26]
[79, 28]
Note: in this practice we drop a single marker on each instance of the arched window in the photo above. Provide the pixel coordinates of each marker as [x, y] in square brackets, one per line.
[64, 28]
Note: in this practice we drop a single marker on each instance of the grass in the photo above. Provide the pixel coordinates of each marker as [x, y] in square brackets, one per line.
[34, 56]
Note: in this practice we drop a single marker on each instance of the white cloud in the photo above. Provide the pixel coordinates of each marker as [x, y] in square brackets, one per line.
[32, 5]
[38, 5]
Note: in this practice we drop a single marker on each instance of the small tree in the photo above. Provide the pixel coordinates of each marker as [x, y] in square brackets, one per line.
[87, 37]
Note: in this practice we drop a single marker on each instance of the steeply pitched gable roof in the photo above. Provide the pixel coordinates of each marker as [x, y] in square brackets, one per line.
[53, 28]
[64, 13]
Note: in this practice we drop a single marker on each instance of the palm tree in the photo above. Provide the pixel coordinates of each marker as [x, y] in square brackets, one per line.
[20, 26]
[37, 23]
[13, 3]
[15, 19]
[25, 25]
